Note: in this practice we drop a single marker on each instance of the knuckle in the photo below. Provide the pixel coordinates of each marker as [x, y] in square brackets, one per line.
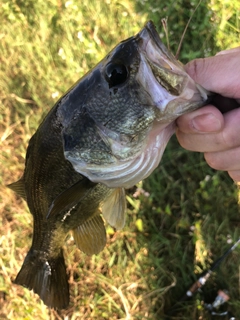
[195, 68]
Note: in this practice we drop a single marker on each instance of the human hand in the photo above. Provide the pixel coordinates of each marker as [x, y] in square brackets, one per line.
[207, 129]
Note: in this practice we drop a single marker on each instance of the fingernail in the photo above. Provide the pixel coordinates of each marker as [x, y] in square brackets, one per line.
[206, 123]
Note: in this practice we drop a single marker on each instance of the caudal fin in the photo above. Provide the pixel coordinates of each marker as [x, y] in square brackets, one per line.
[47, 278]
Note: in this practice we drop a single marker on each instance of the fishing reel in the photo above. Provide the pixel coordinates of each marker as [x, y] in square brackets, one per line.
[218, 308]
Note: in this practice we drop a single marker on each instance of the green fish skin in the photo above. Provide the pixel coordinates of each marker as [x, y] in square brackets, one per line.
[105, 134]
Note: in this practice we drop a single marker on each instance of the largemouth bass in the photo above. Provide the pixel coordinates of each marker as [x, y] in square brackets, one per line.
[105, 134]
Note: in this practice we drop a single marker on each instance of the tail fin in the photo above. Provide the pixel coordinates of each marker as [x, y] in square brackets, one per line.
[47, 278]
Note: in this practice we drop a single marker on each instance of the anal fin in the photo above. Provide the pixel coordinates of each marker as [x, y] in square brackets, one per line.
[90, 237]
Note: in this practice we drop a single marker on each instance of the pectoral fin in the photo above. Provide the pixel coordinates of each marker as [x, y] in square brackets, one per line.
[70, 197]
[90, 237]
[19, 188]
[114, 208]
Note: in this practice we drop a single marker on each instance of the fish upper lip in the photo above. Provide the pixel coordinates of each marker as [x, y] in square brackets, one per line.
[150, 27]
[149, 31]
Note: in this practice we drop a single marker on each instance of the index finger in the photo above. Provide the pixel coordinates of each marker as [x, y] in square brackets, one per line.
[219, 74]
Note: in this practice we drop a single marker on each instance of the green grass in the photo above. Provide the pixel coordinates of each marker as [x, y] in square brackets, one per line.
[179, 220]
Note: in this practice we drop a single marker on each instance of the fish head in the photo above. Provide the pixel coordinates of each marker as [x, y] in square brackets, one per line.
[116, 120]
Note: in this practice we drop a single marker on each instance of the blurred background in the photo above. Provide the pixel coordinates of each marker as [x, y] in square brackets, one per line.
[180, 219]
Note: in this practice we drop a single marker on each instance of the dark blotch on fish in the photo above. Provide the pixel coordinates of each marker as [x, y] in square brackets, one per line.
[105, 134]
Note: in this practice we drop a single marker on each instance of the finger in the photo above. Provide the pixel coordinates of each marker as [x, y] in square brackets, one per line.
[225, 139]
[233, 50]
[235, 175]
[206, 119]
[219, 74]
[224, 160]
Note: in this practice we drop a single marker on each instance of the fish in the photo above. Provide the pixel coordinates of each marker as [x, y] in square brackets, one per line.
[105, 134]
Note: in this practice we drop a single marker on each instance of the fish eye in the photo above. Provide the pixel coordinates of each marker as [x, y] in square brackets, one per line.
[116, 74]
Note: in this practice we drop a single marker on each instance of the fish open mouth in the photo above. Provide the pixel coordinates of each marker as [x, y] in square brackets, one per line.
[164, 65]
[173, 83]
[166, 78]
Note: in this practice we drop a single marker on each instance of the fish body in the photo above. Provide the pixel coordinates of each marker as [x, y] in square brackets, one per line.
[105, 134]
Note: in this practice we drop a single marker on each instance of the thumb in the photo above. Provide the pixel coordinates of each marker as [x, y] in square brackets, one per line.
[205, 120]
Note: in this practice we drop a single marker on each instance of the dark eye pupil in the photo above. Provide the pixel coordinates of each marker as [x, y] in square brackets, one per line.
[116, 74]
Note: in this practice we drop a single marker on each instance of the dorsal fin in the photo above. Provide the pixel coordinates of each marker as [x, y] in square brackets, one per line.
[90, 237]
[19, 188]
[114, 208]
[70, 197]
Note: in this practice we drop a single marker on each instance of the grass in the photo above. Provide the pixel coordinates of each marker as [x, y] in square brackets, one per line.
[179, 220]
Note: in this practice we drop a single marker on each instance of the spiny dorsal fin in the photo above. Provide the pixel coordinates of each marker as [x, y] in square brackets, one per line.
[19, 188]
[114, 208]
[90, 237]
[70, 197]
